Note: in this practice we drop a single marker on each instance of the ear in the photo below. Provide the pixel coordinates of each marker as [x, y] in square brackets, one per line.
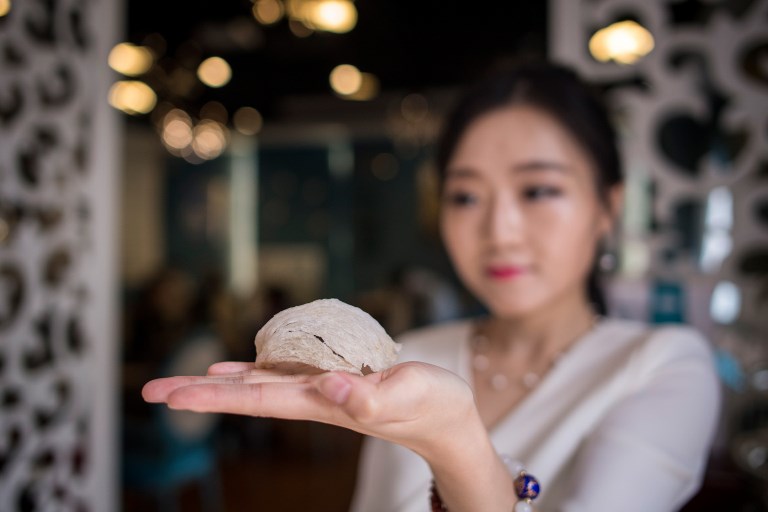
[612, 214]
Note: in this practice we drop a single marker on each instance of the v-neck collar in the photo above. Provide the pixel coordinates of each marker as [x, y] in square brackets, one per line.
[464, 370]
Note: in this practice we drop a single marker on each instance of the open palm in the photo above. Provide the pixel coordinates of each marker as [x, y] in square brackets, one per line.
[412, 404]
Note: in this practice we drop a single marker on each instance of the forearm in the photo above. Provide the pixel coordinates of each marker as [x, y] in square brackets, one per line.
[468, 472]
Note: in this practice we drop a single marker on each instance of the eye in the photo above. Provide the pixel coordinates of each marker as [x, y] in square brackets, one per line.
[460, 198]
[536, 193]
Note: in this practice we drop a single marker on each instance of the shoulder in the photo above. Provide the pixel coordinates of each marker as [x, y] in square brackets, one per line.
[666, 351]
[427, 343]
[667, 341]
[676, 343]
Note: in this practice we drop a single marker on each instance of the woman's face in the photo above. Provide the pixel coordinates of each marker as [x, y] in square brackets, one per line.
[520, 215]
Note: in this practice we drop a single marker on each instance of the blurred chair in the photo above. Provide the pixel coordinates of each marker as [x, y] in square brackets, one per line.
[176, 448]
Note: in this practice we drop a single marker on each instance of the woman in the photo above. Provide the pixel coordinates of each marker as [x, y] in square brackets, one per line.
[609, 415]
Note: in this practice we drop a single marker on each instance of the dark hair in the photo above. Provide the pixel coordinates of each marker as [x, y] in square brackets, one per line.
[559, 92]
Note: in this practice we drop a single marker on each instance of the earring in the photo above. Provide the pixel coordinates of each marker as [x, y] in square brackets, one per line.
[607, 262]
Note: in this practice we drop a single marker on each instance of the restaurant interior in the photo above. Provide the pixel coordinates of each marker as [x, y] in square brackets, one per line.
[172, 174]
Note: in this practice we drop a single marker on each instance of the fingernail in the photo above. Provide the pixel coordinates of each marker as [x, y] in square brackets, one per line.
[334, 387]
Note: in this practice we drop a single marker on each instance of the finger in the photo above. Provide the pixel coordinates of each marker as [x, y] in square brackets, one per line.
[157, 390]
[298, 401]
[228, 367]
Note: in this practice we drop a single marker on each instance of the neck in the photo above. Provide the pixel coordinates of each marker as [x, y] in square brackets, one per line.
[543, 333]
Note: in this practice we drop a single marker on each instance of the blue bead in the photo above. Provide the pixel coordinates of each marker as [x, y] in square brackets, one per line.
[526, 486]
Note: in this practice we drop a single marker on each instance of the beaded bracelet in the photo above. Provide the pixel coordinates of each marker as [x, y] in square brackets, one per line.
[527, 489]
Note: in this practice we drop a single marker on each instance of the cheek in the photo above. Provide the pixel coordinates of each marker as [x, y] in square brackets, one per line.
[457, 235]
[569, 241]
[449, 233]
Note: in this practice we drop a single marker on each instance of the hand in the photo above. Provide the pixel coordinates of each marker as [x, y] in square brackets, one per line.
[420, 406]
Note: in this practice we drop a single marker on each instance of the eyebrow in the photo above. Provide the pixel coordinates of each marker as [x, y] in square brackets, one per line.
[540, 165]
[460, 172]
[528, 166]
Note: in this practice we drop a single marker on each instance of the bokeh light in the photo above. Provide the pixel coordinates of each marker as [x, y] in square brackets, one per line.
[369, 88]
[5, 7]
[129, 59]
[299, 9]
[176, 131]
[725, 303]
[214, 72]
[247, 120]
[132, 97]
[385, 166]
[299, 29]
[268, 12]
[215, 111]
[177, 134]
[196, 143]
[337, 16]
[209, 139]
[624, 42]
[346, 79]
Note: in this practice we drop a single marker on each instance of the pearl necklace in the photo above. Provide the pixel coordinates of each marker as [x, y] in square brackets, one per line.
[499, 381]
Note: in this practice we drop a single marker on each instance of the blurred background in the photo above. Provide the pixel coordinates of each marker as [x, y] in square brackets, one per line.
[174, 173]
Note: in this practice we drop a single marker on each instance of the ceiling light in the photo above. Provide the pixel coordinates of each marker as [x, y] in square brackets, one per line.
[369, 88]
[337, 16]
[176, 131]
[210, 139]
[5, 7]
[214, 72]
[624, 42]
[346, 79]
[177, 114]
[132, 97]
[177, 134]
[129, 59]
[267, 12]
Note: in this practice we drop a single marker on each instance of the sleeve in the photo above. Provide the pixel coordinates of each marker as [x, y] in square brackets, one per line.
[650, 450]
[390, 478]
[368, 474]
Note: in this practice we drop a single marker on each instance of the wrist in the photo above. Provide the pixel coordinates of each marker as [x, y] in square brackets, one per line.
[467, 470]
[526, 488]
[460, 445]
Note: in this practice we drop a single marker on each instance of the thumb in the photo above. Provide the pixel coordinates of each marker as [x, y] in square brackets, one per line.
[334, 387]
[357, 396]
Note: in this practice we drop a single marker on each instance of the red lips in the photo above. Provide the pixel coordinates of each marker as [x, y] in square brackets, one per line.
[505, 271]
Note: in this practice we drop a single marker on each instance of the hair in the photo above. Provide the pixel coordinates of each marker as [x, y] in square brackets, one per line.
[559, 92]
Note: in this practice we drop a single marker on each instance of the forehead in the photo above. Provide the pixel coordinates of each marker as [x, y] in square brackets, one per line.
[514, 135]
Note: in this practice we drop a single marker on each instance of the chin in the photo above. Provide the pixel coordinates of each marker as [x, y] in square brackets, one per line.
[508, 308]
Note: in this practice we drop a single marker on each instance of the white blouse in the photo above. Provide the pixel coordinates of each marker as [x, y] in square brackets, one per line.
[623, 422]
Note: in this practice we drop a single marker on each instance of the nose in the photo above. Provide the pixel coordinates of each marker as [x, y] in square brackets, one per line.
[504, 221]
